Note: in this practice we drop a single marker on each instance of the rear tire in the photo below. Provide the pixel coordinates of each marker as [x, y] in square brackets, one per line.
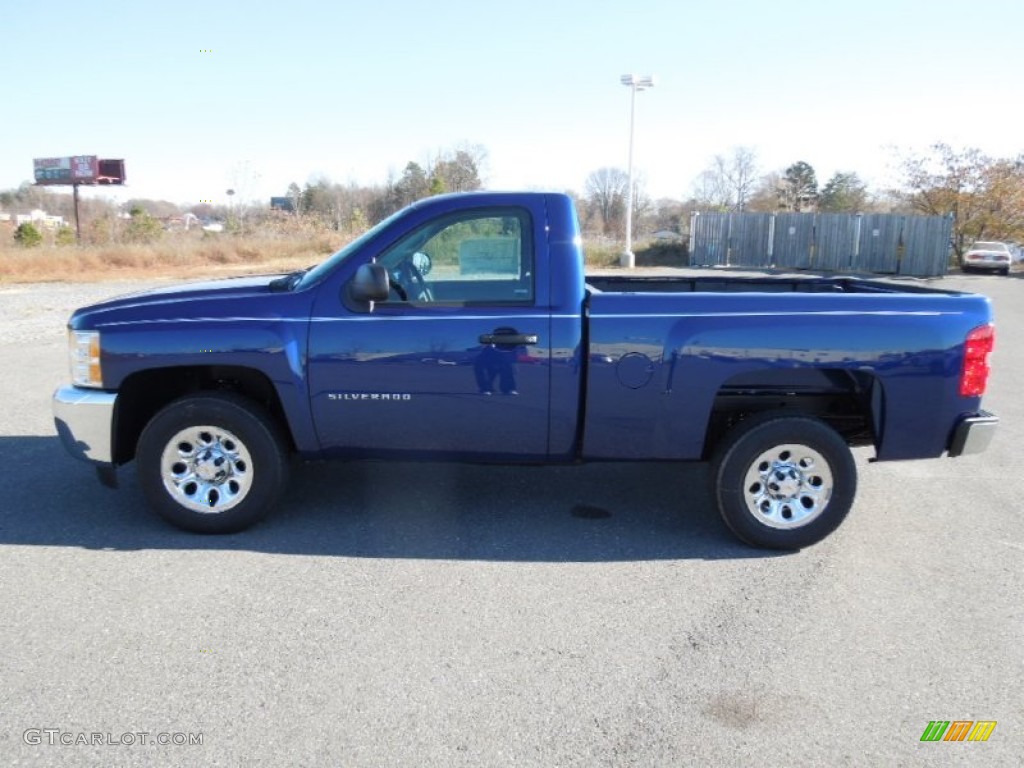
[783, 482]
[212, 463]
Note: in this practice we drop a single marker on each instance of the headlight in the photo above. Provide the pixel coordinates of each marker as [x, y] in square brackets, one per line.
[84, 348]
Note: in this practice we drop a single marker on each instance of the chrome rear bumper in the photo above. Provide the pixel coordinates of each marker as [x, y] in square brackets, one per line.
[973, 434]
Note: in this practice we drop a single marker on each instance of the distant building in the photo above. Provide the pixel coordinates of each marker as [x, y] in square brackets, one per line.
[36, 217]
[178, 223]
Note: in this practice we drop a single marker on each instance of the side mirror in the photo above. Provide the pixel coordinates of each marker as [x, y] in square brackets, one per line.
[422, 262]
[369, 284]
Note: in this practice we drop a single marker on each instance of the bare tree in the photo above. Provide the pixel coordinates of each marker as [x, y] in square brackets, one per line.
[295, 195]
[669, 215]
[605, 191]
[729, 181]
[740, 172]
[642, 204]
[710, 191]
[765, 196]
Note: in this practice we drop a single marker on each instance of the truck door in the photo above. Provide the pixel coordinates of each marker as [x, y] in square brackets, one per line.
[456, 361]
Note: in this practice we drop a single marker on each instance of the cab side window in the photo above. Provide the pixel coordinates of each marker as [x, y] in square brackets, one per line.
[473, 257]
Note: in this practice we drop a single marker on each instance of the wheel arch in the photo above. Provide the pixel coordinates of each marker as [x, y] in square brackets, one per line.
[851, 402]
[142, 394]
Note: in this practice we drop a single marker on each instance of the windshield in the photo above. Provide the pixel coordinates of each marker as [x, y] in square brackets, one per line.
[333, 261]
[990, 247]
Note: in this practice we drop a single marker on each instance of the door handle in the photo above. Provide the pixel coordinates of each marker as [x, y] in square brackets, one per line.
[510, 339]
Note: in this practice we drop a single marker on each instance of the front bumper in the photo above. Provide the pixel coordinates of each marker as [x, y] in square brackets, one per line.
[85, 422]
[973, 434]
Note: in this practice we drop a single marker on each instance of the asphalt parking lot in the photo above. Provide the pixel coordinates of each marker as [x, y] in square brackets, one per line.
[424, 614]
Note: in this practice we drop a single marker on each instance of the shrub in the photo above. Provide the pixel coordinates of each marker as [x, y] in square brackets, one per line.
[143, 228]
[27, 236]
[65, 236]
[655, 254]
[601, 254]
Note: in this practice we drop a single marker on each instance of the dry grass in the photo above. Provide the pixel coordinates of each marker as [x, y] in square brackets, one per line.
[175, 256]
[187, 255]
[648, 254]
[601, 255]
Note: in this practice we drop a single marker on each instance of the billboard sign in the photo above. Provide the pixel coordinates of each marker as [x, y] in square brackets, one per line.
[85, 168]
[79, 169]
[53, 170]
[111, 172]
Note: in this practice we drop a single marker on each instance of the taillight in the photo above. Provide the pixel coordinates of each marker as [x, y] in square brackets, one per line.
[974, 374]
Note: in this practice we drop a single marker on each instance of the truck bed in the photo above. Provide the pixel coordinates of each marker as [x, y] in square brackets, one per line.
[694, 340]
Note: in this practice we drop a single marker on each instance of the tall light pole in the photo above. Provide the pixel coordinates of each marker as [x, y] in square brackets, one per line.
[635, 84]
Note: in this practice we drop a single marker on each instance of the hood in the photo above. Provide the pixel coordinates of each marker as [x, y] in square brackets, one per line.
[212, 298]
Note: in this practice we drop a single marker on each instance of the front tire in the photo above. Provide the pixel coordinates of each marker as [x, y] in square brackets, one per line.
[212, 463]
[783, 482]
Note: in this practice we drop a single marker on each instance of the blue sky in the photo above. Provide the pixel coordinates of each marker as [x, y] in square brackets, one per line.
[295, 90]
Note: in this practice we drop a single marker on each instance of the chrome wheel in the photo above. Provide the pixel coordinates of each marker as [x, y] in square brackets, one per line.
[783, 481]
[206, 469]
[788, 486]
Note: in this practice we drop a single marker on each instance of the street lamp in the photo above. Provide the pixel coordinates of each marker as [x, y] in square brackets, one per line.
[635, 84]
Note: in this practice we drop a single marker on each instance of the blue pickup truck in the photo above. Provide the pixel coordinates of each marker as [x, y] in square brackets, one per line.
[463, 328]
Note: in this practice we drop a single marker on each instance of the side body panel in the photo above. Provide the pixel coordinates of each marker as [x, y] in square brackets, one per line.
[237, 323]
[658, 360]
[419, 379]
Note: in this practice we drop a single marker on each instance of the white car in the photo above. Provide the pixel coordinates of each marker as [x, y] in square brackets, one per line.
[989, 256]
